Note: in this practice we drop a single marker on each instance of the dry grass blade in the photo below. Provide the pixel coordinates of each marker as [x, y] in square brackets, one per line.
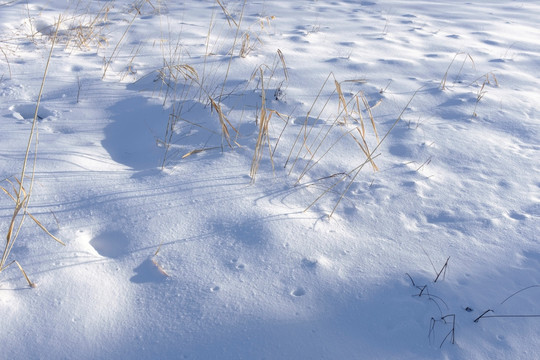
[317, 143]
[9, 235]
[445, 77]
[494, 78]
[368, 109]
[20, 196]
[160, 268]
[8, 2]
[232, 49]
[7, 61]
[282, 58]
[342, 100]
[245, 49]
[30, 283]
[263, 133]
[33, 130]
[362, 129]
[356, 81]
[20, 205]
[197, 151]
[443, 81]
[227, 14]
[224, 122]
[482, 92]
[115, 50]
[188, 72]
[150, 3]
[45, 229]
[304, 127]
[365, 149]
[486, 79]
[8, 194]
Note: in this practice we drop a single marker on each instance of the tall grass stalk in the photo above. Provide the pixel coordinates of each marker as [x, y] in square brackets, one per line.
[233, 46]
[20, 195]
[138, 8]
[7, 61]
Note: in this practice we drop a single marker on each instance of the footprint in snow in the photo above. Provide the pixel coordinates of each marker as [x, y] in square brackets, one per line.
[235, 265]
[309, 263]
[516, 215]
[309, 121]
[26, 112]
[111, 244]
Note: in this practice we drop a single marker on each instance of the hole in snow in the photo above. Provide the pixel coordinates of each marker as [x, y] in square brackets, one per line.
[26, 112]
[111, 244]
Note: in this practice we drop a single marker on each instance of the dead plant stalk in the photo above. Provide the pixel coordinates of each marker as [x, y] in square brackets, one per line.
[20, 196]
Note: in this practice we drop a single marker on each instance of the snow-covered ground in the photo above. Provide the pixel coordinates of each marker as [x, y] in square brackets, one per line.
[190, 154]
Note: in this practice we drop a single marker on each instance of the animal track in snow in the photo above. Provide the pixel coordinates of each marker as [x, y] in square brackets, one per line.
[26, 112]
[235, 265]
[309, 263]
[300, 291]
[309, 121]
[111, 244]
[516, 215]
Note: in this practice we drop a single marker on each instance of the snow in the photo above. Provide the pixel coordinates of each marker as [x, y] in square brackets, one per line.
[174, 249]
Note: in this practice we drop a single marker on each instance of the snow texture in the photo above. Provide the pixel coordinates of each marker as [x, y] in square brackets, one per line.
[150, 122]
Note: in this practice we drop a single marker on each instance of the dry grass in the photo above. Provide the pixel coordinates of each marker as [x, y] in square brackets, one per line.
[19, 193]
[176, 79]
[466, 56]
[482, 91]
[315, 145]
[353, 174]
[354, 121]
[228, 16]
[237, 32]
[251, 39]
[306, 129]
[87, 28]
[224, 122]
[248, 44]
[351, 119]
[189, 77]
[212, 90]
[137, 7]
[4, 55]
[263, 138]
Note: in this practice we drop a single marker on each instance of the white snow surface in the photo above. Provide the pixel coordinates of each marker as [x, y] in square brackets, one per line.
[245, 267]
